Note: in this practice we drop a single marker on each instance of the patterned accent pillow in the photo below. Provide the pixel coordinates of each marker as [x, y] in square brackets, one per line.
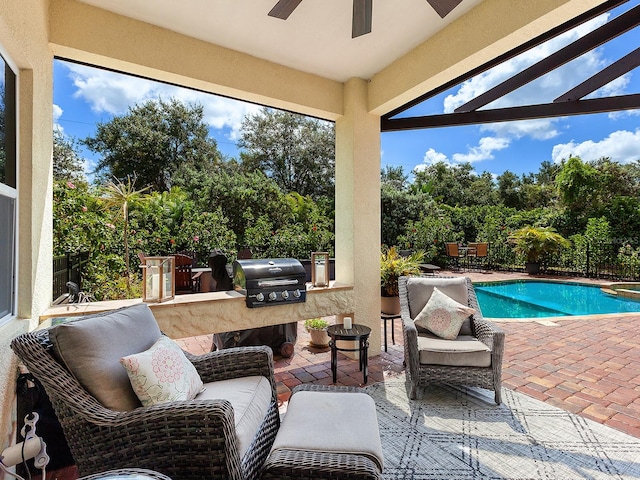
[443, 316]
[162, 374]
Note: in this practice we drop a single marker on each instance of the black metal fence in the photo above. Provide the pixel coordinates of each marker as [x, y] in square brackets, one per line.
[606, 260]
[68, 268]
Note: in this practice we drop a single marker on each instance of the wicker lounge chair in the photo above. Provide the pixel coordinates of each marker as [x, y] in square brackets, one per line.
[474, 358]
[194, 439]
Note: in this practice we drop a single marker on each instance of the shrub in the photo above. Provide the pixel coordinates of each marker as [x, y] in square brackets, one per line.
[316, 324]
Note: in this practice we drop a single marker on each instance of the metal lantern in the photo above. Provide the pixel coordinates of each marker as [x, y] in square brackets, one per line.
[320, 269]
[158, 279]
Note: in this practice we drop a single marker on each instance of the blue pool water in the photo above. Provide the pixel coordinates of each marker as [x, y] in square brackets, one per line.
[536, 298]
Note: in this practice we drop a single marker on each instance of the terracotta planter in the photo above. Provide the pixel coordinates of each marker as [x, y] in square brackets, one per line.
[319, 338]
[390, 305]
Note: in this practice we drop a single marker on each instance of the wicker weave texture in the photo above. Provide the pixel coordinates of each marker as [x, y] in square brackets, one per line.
[488, 333]
[134, 473]
[296, 464]
[183, 440]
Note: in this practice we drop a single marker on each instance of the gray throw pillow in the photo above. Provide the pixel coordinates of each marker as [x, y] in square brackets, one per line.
[91, 348]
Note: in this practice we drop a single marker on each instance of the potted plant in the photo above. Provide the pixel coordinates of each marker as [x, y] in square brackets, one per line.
[536, 242]
[393, 266]
[317, 328]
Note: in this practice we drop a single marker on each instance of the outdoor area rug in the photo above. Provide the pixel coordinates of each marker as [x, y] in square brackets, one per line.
[460, 433]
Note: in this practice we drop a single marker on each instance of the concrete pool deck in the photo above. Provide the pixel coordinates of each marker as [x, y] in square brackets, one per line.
[586, 365]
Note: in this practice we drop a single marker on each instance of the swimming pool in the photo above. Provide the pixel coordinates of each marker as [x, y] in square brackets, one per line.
[539, 298]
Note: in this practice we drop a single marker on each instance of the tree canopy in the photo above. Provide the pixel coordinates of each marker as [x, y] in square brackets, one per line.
[278, 197]
[154, 141]
[297, 152]
[67, 163]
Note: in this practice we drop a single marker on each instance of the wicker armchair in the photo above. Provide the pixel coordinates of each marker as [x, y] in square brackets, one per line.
[462, 370]
[183, 440]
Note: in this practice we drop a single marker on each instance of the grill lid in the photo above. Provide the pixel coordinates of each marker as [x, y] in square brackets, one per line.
[264, 272]
[270, 281]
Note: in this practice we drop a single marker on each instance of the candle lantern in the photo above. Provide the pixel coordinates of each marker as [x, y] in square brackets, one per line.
[158, 284]
[320, 269]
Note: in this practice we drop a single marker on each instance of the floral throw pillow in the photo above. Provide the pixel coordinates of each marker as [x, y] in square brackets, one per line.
[162, 374]
[443, 316]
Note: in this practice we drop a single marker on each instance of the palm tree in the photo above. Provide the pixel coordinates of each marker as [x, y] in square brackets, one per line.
[118, 197]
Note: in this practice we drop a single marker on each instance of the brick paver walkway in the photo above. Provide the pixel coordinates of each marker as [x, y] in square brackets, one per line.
[586, 365]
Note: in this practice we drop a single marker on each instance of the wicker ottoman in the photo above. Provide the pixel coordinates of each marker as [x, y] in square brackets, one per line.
[127, 474]
[327, 432]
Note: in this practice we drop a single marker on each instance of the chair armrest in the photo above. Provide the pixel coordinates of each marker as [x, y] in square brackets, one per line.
[489, 334]
[235, 362]
[411, 353]
[206, 412]
[199, 435]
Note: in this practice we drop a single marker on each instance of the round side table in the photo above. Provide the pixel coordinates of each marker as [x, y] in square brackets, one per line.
[358, 333]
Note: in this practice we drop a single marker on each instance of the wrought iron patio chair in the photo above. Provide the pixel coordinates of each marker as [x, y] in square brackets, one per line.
[477, 254]
[453, 252]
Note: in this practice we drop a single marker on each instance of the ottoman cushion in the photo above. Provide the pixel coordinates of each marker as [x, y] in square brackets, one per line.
[352, 419]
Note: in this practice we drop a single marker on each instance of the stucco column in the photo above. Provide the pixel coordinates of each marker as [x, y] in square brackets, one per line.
[358, 206]
[24, 28]
[35, 189]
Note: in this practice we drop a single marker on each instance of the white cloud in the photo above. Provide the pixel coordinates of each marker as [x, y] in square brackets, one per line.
[539, 129]
[621, 115]
[622, 146]
[431, 157]
[57, 113]
[613, 88]
[483, 151]
[541, 90]
[113, 93]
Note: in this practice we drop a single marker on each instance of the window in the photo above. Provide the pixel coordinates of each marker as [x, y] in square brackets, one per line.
[8, 191]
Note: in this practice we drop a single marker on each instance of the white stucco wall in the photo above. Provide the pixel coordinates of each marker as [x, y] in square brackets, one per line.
[24, 39]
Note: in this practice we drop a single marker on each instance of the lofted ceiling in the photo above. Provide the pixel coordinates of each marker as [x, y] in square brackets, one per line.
[315, 38]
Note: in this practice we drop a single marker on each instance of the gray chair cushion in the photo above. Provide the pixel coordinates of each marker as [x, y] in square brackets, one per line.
[91, 348]
[419, 290]
[464, 351]
[250, 398]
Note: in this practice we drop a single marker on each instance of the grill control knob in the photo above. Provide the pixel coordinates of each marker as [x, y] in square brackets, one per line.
[296, 293]
[285, 294]
[273, 296]
[260, 297]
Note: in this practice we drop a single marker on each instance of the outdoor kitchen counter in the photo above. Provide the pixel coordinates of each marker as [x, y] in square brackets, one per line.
[217, 312]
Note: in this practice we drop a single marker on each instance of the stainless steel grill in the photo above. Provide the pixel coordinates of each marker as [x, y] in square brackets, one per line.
[270, 281]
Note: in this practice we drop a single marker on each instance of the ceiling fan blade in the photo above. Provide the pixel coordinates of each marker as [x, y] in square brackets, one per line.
[283, 8]
[361, 24]
[444, 7]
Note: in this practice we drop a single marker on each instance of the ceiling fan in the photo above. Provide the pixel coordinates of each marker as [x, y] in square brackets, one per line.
[362, 10]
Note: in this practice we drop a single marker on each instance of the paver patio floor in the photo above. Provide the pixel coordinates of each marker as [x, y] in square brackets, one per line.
[586, 365]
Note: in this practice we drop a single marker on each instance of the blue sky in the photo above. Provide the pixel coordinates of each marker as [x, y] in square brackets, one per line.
[84, 96]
